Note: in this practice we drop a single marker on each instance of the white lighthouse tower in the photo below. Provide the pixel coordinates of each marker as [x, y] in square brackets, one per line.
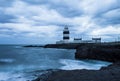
[66, 34]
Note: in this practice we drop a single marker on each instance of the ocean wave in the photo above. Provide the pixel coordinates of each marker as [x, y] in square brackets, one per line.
[7, 60]
[7, 76]
[18, 47]
[76, 64]
[22, 76]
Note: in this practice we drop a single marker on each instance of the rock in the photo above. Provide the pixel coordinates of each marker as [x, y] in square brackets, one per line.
[98, 52]
[62, 46]
[33, 46]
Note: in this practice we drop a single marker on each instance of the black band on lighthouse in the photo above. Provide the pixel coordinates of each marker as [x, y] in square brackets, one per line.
[66, 32]
[65, 37]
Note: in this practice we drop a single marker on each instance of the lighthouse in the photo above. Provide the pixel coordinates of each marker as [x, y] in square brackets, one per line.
[66, 34]
[66, 38]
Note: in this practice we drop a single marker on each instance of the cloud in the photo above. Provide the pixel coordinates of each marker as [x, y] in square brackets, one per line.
[34, 14]
[93, 7]
[4, 18]
[64, 7]
[6, 3]
[46, 18]
[109, 33]
[29, 30]
[110, 30]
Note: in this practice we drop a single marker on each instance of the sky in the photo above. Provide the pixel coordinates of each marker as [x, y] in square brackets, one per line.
[42, 21]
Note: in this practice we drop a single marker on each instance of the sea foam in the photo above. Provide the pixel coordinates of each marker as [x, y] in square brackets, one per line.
[82, 64]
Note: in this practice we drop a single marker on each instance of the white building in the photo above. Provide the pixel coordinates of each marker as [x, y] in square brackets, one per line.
[77, 40]
[96, 40]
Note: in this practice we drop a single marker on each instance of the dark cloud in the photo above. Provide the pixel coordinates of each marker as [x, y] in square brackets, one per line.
[6, 3]
[61, 7]
[111, 17]
[37, 2]
[67, 12]
[4, 18]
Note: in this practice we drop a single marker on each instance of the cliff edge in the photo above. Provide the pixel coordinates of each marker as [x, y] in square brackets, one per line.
[105, 52]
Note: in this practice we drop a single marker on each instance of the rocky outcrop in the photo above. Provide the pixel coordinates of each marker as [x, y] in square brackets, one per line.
[103, 52]
[33, 46]
[62, 46]
[110, 73]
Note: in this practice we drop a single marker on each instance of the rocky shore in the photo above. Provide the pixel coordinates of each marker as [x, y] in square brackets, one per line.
[110, 73]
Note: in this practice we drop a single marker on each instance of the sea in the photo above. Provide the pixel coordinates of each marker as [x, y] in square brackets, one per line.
[18, 63]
